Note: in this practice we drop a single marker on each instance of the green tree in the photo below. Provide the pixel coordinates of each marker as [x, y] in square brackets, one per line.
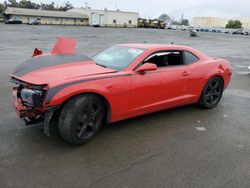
[28, 4]
[11, 3]
[31, 5]
[50, 6]
[2, 8]
[67, 6]
[185, 22]
[164, 17]
[234, 24]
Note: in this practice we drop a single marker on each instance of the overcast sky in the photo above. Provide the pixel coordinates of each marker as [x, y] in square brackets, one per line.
[151, 9]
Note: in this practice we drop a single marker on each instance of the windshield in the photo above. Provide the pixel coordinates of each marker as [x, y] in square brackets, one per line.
[117, 57]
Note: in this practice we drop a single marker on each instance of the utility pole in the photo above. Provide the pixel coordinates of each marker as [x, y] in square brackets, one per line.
[182, 17]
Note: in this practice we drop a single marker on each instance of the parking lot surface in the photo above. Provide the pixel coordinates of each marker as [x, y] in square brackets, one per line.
[182, 147]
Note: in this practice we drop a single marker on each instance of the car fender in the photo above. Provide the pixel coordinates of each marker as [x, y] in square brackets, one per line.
[57, 96]
[223, 70]
[63, 96]
[217, 68]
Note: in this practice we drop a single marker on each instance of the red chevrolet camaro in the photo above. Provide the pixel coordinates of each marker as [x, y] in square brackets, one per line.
[78, 94]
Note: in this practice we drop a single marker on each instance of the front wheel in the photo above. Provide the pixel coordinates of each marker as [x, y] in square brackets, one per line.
[211, 93]
[81, 118]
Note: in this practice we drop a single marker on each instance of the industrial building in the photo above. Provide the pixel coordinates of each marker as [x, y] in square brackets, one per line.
[108, 18]
[46, 16]
[214, 22]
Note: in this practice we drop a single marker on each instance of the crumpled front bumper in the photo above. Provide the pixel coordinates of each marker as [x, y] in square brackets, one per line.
[20, 110]
[35, 116]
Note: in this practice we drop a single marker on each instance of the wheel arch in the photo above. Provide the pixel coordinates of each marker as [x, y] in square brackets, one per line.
[52, 114]
[102, 97]
[209, 78]
[216, 76]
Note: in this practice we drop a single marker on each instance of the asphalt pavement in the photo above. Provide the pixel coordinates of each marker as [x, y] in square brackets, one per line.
[183, 147]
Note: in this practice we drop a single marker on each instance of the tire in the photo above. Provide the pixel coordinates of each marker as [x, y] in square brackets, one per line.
[81, 118]
[211, 93]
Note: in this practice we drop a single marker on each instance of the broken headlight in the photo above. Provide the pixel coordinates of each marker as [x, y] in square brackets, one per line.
[31, 97]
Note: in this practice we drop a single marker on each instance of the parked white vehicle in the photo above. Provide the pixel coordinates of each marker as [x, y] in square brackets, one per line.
[34, 22]
[173, 27]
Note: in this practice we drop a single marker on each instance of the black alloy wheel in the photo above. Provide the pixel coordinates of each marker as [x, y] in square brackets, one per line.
[86, 126]
[211, 93]
[81, 118]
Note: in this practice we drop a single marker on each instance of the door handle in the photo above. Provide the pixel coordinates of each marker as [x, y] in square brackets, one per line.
[185, 73]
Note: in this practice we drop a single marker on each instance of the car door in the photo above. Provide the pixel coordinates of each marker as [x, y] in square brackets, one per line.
[163, 88]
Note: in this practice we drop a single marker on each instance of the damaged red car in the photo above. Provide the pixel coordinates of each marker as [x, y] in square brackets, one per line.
[78, 95]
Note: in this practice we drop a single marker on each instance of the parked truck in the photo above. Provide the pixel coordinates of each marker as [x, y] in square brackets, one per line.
[157, 24]
[151, 23]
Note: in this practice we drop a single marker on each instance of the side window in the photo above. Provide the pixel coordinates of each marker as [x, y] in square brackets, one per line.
[164, 59]
[190, 58]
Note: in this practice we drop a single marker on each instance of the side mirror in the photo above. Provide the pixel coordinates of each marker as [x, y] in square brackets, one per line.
[146, 67]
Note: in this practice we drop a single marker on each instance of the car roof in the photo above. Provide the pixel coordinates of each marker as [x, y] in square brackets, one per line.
[159, 47]
[154, 46]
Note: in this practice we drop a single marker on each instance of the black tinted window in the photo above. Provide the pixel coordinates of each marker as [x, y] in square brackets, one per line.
[190, 58]
[163, 59]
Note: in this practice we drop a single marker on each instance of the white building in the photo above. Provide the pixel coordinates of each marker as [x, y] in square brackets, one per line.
[210, 22]
[109, 18]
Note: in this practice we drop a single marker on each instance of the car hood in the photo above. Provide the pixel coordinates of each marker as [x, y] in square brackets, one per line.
[45, 69]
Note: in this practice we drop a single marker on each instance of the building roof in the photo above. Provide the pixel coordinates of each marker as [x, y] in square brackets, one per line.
[44, 13]
[99, 10]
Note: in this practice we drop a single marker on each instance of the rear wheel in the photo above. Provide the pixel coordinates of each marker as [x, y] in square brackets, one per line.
[81, 118]
[211, 93]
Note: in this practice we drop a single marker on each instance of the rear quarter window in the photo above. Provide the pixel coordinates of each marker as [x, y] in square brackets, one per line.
[190, 58]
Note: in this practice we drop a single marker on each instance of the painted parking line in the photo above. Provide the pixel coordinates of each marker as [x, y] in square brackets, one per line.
[200, 128]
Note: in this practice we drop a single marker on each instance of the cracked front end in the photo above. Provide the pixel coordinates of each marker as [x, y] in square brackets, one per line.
[28, 100]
